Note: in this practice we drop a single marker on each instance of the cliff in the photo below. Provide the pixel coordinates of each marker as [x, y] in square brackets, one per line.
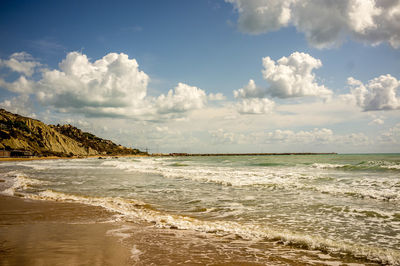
[23, 133]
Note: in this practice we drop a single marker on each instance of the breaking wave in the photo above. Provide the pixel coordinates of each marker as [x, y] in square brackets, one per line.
[366, 165]
[294, 178]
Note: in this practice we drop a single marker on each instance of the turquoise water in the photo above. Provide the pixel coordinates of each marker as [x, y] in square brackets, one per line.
[346, 204]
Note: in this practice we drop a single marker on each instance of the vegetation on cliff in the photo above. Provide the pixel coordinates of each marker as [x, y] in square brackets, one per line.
[23, 133]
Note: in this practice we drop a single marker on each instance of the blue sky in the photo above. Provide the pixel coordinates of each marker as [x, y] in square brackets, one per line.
[203, 51]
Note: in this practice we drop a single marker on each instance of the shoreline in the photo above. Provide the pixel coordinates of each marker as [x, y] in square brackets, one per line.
[34, 158]
[37, 232]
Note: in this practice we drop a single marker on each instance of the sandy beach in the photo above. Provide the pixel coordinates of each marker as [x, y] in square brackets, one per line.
[54, 233]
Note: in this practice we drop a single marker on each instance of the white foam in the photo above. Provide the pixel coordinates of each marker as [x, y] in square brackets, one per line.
[35, 166]
[20, 182]
[386, 189]
[327, 165]
[121, 232]
[395, 166]
[135, 253]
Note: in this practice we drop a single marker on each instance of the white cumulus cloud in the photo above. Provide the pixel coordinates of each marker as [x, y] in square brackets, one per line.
[325, 23]
[22, 85]
[255, 106]
[111, 86]
[293, 76]
[182, 98]
[250, 91]
[19, 105]
[21, 62]
[252, 100]
[260, 16]
[378, 94]
[112, 81]
[216, 97]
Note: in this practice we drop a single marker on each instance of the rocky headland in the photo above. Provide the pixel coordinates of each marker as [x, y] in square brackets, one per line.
[39, 139]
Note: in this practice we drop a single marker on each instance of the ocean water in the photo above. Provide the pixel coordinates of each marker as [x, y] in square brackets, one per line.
[345, 206]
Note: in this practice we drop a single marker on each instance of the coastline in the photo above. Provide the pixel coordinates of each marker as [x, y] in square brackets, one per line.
[33, 158]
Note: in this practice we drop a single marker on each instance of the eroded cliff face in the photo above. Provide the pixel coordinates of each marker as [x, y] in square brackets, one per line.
[100, 145]
[23, 133]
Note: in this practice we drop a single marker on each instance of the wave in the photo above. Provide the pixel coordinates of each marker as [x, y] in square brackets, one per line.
[130, 209]
[270, 164]
[365, 165]
[178, 164]
[294, 178]
[372, 191]
[19, 182]
[58, 164]
[230, 176]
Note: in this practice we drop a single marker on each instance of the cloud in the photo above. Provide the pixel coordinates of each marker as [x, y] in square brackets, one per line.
[378, 94]
[320, 136]
[293, 76]
[20, 62]
[258, 16]
[325, 23]
[216, 97]
[287, 77]
[253, 100]
[112, 81]
[20, 105]
[287, 136]
[376, 121]
[250, 91]
[21, 85]
[255, 106]
[112, 86]
[220, 136]
[182, 98]
[392, 135]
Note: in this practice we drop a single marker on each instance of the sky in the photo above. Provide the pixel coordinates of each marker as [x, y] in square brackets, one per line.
[231, 76]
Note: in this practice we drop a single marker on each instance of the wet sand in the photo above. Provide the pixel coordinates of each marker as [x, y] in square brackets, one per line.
[53, 233]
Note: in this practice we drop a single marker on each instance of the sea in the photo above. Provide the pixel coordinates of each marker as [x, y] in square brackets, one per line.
[334, 209]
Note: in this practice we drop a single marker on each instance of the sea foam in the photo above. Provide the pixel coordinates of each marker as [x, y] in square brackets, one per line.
[298, 177]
